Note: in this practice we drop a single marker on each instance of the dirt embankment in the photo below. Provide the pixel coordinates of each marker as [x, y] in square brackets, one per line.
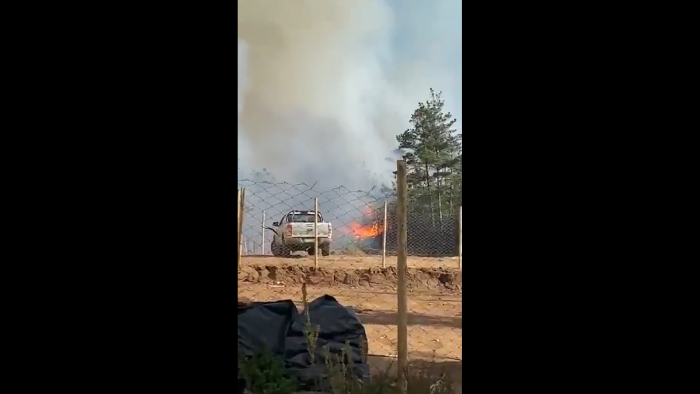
[436, 278]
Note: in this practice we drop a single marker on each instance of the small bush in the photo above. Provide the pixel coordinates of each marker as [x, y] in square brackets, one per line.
[264, 374]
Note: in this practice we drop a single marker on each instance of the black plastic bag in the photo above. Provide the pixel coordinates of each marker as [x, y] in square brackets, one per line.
[340, 331]
[279, 328]
[264, 326]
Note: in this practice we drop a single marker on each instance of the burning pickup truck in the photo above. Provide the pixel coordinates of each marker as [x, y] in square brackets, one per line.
[295, 232]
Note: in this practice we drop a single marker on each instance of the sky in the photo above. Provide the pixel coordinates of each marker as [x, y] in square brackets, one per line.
[326, 85]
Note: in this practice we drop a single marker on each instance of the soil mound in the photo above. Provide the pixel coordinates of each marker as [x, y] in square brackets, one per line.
[444, 279]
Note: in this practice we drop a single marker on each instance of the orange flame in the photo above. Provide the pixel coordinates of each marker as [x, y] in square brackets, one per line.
[365, 230]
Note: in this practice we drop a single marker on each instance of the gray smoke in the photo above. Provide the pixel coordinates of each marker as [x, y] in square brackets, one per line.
[327, 85]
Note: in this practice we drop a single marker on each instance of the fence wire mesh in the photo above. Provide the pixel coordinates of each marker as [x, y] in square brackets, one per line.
[363, 229]
[359, 220]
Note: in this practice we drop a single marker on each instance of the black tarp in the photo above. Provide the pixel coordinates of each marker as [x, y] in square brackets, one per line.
[278, 328]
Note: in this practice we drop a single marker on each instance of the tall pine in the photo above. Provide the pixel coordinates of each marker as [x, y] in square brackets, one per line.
[433, 153]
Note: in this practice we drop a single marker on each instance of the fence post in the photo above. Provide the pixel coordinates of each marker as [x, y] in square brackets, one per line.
[384, 239]
[315, 232]
[459, 218]
[401, 265]
[262, 240]
[241, 205]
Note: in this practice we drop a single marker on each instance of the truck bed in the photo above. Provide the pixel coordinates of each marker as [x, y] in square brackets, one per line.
[305, 230]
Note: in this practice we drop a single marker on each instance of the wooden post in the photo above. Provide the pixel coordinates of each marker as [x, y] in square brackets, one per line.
[241, 205]
[401, 265]
[316, 232]
[384, 239]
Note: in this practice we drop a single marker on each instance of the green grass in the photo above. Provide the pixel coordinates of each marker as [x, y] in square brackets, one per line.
[265, 374]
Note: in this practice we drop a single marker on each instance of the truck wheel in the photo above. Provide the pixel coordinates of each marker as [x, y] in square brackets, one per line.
[325, 250]
[275, 249]
[285, 252]
[311, 251]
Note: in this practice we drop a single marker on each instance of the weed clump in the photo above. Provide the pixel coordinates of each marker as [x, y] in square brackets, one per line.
[264, 374]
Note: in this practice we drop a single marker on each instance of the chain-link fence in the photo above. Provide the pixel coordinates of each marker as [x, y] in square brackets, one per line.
[355, 261]
[363, 223]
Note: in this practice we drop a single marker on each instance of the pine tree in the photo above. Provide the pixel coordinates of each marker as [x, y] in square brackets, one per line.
[433, 153]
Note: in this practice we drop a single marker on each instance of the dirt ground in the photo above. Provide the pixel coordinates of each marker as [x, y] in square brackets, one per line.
[351, 261]
[434, 299]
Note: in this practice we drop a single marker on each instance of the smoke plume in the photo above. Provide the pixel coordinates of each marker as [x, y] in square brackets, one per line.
[326, 85]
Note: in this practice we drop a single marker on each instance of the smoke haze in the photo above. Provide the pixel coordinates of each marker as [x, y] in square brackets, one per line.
[326, 85]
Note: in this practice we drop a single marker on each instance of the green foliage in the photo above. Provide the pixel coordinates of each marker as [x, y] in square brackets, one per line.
[265, 375]
[433, 153]
[310, 332]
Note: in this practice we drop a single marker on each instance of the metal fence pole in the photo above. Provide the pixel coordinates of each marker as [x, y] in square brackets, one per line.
[384, 239]
[460, 237]
[262, 240]
[401, 265]
[316, 232]
[241, 205]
